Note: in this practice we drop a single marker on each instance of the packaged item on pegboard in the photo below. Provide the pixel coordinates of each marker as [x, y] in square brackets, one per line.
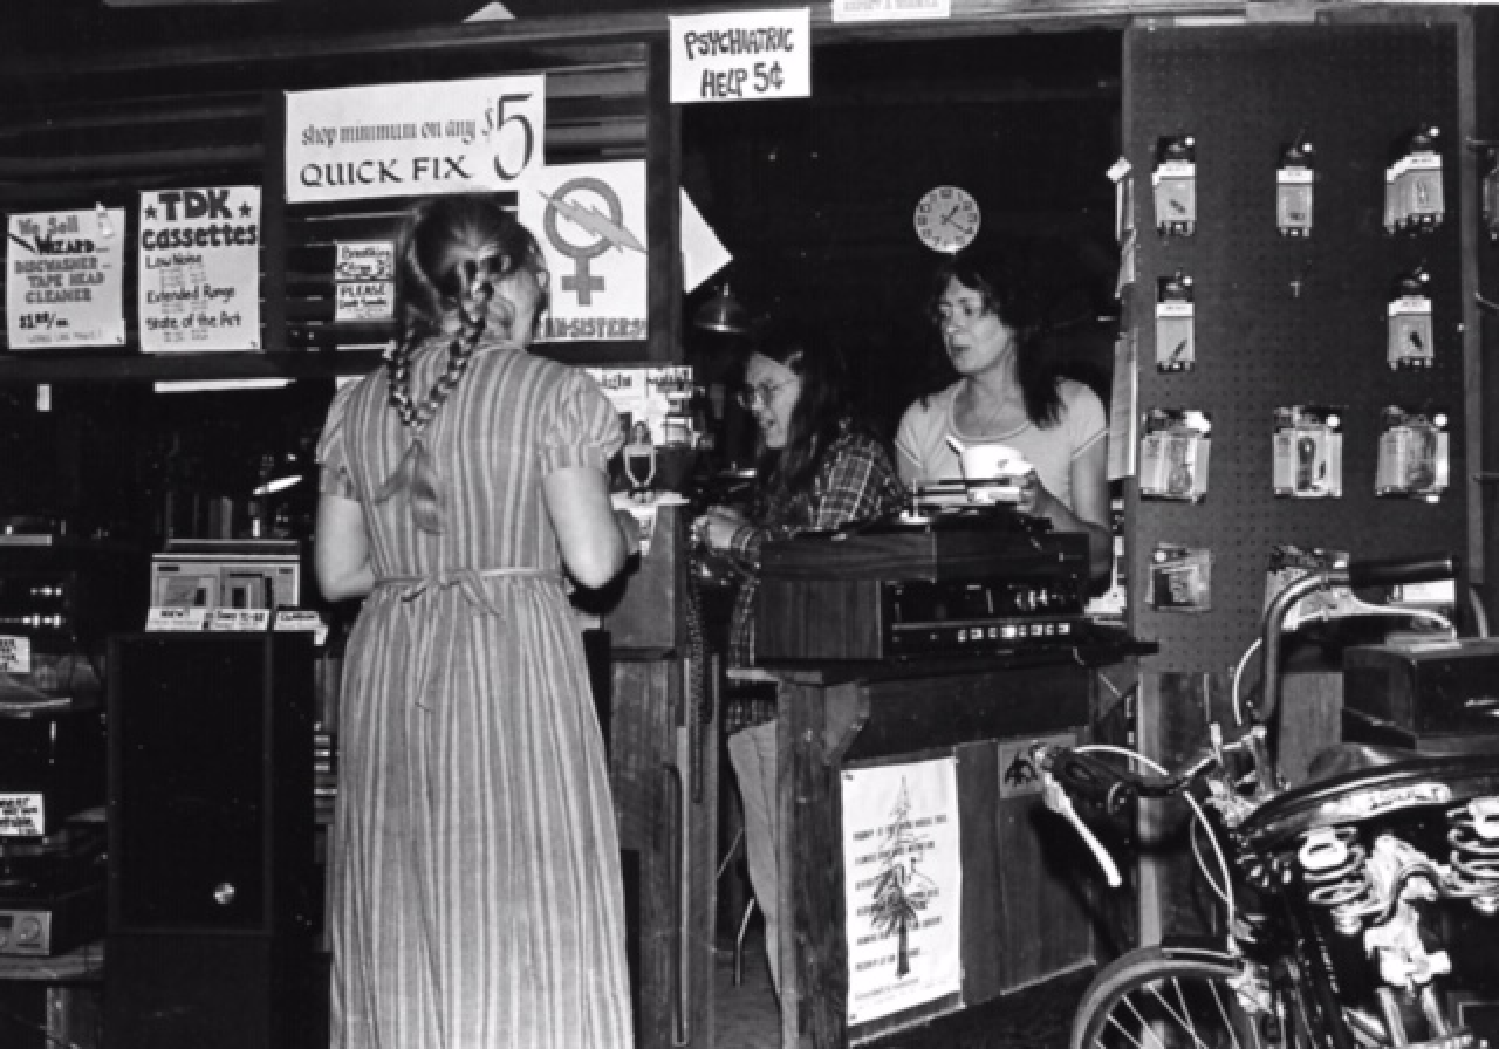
[1175, 184]
[1174, 452]
[1491, 190]
[1410, 329]
[1413, 197]
[1175, 343]
[1181, 578]
[1414, 454]
[1308, 452]
[1294, 178]
[1289, 563]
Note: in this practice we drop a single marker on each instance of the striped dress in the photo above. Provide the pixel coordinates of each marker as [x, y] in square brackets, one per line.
[476, 899]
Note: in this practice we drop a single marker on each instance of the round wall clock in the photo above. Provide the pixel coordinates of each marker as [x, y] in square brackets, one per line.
[946, 219]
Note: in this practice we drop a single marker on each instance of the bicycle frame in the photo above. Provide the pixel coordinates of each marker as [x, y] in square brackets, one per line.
[1350, 897]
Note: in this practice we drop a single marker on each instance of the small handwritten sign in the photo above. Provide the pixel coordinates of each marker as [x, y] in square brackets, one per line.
[200, 269]
[739, 56]
[64, 275]
[174, 618]
[22, 816]
[240, 619]
[15, 655]
[365, 300]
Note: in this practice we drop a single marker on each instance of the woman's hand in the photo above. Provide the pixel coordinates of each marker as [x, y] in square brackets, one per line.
[1034, 498]
[629, 527]
[716, 528]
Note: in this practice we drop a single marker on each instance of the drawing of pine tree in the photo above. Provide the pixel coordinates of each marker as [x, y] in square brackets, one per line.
[893, 910]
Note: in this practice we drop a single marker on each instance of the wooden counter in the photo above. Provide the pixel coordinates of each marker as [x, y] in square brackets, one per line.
[1026, 881]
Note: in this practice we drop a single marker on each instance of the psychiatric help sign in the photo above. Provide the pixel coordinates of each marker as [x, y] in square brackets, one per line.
[734, 56]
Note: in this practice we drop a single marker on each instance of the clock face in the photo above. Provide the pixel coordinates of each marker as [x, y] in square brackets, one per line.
[946, 219]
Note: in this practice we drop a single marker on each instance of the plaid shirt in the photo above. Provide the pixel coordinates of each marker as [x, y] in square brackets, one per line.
[856, 481]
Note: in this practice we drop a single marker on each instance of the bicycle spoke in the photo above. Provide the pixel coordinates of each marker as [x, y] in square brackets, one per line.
[1144, 1023]
[1228, 1022]
[1185, 1024]
[1114, 1021]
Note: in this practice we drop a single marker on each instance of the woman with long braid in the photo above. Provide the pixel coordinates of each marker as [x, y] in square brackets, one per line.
[477, 899]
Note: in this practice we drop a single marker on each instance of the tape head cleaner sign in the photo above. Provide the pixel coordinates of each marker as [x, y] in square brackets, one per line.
[741, 56]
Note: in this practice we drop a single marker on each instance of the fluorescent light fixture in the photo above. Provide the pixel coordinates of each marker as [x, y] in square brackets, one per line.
[280, 484]
[209, 385]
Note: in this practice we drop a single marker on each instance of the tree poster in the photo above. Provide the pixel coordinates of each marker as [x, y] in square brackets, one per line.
[903, 879]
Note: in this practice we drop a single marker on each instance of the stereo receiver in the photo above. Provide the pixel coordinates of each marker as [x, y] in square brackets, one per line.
[982, 584]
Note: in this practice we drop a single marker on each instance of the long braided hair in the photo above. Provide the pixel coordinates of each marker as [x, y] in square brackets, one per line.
[457, 250]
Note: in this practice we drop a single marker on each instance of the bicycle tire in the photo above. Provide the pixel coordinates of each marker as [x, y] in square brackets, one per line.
[1181, 992]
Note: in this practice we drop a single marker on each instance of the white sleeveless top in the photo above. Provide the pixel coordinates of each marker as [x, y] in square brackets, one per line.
[921, 439]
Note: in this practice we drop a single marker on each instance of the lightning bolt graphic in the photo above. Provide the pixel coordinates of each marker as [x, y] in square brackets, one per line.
[595, 223]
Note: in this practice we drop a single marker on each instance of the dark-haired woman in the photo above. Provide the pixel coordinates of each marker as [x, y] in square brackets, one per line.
[477, 899]
[822, 469]
[990, 321]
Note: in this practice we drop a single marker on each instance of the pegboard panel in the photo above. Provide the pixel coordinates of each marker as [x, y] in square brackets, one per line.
[1288, 321]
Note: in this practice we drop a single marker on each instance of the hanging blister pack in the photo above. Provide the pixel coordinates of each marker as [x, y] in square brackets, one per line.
[1289, 563]
[1414, 454]
[1308, 452]
[1414, 198]
[1174, 453]
[1491, 191]
[1175, 184]
[1410, 329]
[1294, 177]
[1181, 578]
[1175, 344]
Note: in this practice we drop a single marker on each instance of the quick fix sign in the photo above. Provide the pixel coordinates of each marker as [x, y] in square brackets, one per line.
[414, 140]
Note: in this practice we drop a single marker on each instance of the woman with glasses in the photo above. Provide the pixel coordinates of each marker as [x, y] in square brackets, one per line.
[822, 467]
[990, 317]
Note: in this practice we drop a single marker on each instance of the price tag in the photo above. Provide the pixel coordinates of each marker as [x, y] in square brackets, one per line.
[22, 816]
[240, 619]
[15, 655]
[168, 618]
[738, 56]
[295, 619]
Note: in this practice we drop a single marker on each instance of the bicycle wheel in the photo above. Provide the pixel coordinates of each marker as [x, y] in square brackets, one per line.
[1168, 998]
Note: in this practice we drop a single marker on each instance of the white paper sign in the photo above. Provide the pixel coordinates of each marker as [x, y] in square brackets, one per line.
[15, 655]
[590, 220]
[64, 275]
[364, 260]
[240, 619]
[364, 300]
[889, 10]
[644, 396]
[737, 56]
[163, 617]
[200, 269]
[903, 880]
[22, 816]
[414, 140]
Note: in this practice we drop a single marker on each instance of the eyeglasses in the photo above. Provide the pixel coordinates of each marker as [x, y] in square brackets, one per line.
[760, 393]
[961, 314]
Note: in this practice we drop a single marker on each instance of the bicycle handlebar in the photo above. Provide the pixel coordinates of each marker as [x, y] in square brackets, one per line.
[1388, 572]
[1403, 570]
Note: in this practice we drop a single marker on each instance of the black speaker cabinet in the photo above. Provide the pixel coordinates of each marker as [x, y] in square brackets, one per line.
[210, 782]
[213, 991]
[211, 854]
